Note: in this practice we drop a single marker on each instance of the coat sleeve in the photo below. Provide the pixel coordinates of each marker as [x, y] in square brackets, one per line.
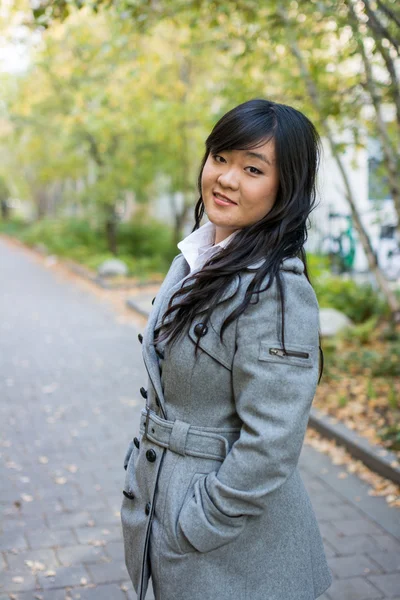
[273, 397]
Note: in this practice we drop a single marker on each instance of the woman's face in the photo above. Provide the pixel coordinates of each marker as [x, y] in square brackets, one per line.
[248, 178]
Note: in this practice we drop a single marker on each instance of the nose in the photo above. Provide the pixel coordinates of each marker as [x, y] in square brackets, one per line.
[228, 178]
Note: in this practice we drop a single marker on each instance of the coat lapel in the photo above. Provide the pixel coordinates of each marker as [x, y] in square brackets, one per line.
[178, 270]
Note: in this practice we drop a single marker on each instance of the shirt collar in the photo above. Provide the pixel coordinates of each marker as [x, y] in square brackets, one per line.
[200, 242]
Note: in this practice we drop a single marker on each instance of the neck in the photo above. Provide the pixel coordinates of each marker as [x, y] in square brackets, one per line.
[222, 234]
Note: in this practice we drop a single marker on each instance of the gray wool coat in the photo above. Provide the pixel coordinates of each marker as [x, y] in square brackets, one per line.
[214, 506]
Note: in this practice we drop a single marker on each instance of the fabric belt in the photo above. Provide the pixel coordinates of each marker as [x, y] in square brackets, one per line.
[185, 439]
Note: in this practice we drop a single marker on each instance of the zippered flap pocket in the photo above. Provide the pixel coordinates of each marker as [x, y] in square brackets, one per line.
[300, 355]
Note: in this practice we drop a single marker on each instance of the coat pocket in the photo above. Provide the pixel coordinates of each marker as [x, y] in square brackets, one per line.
[296, 355]
[182, 542]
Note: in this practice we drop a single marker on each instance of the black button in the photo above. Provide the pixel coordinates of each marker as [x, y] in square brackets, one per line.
[151, 455]
[147, 508]
[143, 392]
[128, 495]
[157, 401]
[136, 442]
[140, 338]
[200, 329]
[159, 353]
[153, 300]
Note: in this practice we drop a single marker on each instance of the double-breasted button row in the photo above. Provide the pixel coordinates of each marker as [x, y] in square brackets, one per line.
[151, 455]
[200, 329]
[128, 495]
[131, 496]
[144, 394]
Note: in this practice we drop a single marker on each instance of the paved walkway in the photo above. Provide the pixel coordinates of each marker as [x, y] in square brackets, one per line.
[69, 386]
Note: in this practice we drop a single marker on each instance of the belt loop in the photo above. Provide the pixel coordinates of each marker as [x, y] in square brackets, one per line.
[177, 440]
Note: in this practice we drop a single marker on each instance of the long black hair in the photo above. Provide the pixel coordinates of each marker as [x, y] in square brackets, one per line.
[280, 234]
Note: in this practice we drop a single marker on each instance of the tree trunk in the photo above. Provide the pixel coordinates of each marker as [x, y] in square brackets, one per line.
[5, 210]
[179, 218]
[378, 35]
[389, 151]
[111, 231]
[40, 198]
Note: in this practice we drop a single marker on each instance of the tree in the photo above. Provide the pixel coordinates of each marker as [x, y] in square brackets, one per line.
[4, 196]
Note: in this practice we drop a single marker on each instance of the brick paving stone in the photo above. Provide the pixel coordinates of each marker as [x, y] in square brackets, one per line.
[65, 577]
[47, 538]
[102, 517]
[353, 566]
[115, 551]
[358, 527]
[99, 592]
[45, 595]
[17, 581]
[389, 561]
[21, 560]
[32, 522]
[3, 564]
[82, 553]
[389, 584]
[355, 588]
[388, 543]
[347, 545]
[13, 539]
[329, 551]
[336, 512]
[107, 572]
[87, 535]
[86, 502]
[69, 519]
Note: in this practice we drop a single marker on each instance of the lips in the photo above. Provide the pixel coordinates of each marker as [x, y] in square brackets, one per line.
[223, 197]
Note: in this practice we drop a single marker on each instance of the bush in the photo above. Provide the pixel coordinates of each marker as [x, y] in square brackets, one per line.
[359, 302]
[14, 226]
[144, 238]
[145, 246]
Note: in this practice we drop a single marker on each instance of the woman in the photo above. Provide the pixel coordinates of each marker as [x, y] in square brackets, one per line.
[214, 506]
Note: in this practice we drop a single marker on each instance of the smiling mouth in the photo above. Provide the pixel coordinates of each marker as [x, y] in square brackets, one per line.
[223, 198]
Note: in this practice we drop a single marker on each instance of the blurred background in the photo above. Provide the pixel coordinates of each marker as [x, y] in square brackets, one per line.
[104, 110]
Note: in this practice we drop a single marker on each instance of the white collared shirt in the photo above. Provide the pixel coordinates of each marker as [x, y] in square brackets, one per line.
[198, 247]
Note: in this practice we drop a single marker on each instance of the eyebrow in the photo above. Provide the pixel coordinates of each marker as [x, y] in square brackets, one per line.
[260, 156]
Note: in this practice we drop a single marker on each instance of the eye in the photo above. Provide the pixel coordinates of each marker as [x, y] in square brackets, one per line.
[217, 156]
[257, 171]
